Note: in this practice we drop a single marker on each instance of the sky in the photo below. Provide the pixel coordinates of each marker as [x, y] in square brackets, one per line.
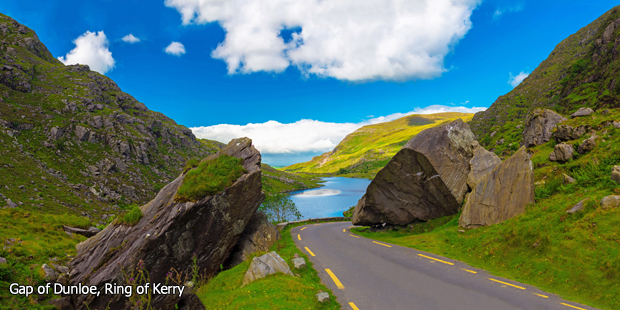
[298, 76]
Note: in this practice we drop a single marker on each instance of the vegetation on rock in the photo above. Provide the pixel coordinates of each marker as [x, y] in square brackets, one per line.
[280, 208]
[132, 216]
[210, 177]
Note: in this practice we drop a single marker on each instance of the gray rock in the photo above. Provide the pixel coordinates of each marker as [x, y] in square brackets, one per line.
[10, 203]
[81, 133]
[63, 303]
[84, 232]
[610, 202]
[567, 179]
[587, 145]
[63, 280]
[606, 112]
[493, 134]
[322, 297]
[56, 133]
[616, 124]
[615, 174]
[582, 112]
[578, 207]
[264, 265]
[63, 269]
[500, 142]
[562, 152]
[426, 179]
[2, 260]
[501, 194]
[481, 164]
[567, 133]
[50, 274]
[299, 263]
[259, 235]
[539, 125]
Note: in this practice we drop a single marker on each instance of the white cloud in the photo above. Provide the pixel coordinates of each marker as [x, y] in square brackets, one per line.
[304, 136]
[516, 80]
[91, 49]
[346, 39]
[500, 11]
[175, 48]
[130, 38]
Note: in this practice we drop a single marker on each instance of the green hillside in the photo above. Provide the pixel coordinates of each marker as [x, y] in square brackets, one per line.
[364, 152]
[276, 181]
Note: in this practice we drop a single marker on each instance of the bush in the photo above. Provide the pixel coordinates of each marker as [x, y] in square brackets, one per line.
[280, 208]
[210, 177]
[191, 163]
[133, 216]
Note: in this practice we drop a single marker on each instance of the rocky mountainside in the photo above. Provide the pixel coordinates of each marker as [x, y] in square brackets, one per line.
[73, 141]
[582, 71]
[365, 151]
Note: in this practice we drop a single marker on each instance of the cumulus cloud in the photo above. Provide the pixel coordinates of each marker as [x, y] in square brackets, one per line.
[346, 39]
[130, 38]
[175, 48]
[500, 11]
[91, 49]
[515, 80]
[305, 136]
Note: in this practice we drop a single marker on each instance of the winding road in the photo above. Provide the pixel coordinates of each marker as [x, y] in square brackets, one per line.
[366, 274]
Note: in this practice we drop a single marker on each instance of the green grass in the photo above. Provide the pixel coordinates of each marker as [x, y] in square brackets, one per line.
[276, 181]
[210, 177]
[277, 291]
[133, 216]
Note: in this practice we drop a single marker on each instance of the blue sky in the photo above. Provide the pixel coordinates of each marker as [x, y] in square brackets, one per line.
[462, 57]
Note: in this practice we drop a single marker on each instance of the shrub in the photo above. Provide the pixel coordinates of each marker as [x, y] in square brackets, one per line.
[280, 208]
[210, 177]
[133, 216]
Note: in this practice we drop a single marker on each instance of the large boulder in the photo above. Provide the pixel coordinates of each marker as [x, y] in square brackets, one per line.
[501, 194]
[171, 234]
[426, 179]
[567, 132]
[562, 153]
[264, 265]
[481, 164]
[539, 125]
[259, 235]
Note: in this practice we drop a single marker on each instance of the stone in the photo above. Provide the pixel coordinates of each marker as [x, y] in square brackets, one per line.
[50, 274]
[587, 145]
[501, 141]
[606, 112]
[206, 229]
[481, 164]
[2, 260]
[567, 133]
[567, 179]
[615, 174]
[10, 203]
[501, 194]
[610, 202]
[322, 297]
[616, 124]
[259, 235]
[582, 112]
[63, 280]
[493, 134]
[81, 133]
[539, 125]
[426, 179]
[84, 232]
[578, 207]
[299, 263]
[63, 303]
[562, 153]
[264, 265]
[63, 269]
[56, 133]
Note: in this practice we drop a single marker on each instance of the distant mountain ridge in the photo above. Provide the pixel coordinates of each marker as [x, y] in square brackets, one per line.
[365, 151]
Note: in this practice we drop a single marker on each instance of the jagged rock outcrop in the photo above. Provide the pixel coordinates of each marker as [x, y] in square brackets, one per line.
[481, 164]
[539, 126]
[587, 145]
[264, 265]
[426, 179]
[567, 132]
[562, 152]
[501, 194]
[259, 235]
[170, 234]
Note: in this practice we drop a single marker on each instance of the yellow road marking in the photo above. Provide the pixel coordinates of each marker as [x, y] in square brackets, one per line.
[389, 246]
[317, 224]
[439, 260]
[470, 271]
[333, 276]
[309, 251]
[353, 236]
[498, 281]
[543, 296]
[303, 228]
[299, 237]
[571, 306]
[343, 230]
[353, 306]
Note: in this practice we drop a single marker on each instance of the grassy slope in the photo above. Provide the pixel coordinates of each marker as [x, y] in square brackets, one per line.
[364, 152]
[574, 255]
[276, 291]
[577, 73]
[277, 181]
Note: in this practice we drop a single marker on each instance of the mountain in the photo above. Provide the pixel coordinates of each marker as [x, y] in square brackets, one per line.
[365, 151]
[582, 71]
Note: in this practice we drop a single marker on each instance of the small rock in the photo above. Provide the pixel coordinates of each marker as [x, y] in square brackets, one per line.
[461, 231]
[562, 152]
[298, 275]
[610, 202]
[606, 112]
[568, 179]
[616, 124]
[615, 174]
[63, 280]
[578, 207]
[50, 274]
[493, 134]
[264, 265]
[296, 255]
[2, 260]
[323, 297]
[587, 145]
[10, 204]
[501, 141]
[582, 112]
[63, 269]
[299, 263]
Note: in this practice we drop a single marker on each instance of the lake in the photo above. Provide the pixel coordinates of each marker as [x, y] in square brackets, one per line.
[336, 196]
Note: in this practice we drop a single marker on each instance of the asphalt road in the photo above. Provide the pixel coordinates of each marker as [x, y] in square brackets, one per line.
[367, 274]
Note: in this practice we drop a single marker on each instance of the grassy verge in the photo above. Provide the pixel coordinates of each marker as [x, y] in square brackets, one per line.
[277, 291]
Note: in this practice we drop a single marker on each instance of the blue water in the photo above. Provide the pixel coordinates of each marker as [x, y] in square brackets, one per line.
[337, 195]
